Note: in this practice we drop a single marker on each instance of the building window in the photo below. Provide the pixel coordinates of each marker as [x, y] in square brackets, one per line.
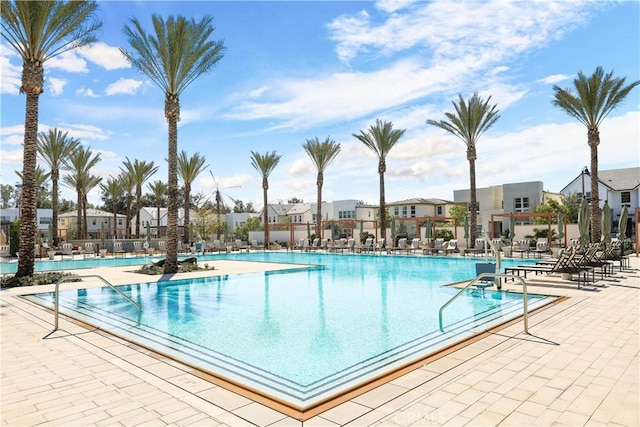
[404, 211]
[521, 204]
[413, 211]
[120, 221]
[346, 214]
[438, 210]
[396, 211]
[63, 222]
[45, 220]
[625, 198]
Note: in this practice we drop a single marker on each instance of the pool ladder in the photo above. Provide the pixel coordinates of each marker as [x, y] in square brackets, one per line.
[68, 279]
[491, 275]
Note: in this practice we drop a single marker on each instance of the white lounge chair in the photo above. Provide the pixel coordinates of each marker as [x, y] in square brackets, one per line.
[118, 249]
[451, 246]
[437, 247]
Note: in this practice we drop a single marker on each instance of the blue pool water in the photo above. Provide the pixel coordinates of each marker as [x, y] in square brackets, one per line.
[301, 336]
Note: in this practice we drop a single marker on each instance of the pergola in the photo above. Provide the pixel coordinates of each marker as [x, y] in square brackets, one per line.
[527, 215]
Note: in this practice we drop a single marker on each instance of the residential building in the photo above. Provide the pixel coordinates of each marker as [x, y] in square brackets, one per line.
[43, 220]
[620, 187]
[97, 222]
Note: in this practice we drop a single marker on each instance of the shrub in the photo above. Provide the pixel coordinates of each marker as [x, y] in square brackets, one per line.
[37, 279]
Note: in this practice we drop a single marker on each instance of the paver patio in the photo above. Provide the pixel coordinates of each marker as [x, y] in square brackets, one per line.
[578, 366]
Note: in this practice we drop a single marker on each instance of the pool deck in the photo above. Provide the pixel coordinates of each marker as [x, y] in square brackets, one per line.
[578, 366]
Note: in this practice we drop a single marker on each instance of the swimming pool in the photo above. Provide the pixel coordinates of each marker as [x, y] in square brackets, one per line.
[302, 336]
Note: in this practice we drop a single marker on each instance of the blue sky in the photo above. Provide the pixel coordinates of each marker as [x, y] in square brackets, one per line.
[299, 70]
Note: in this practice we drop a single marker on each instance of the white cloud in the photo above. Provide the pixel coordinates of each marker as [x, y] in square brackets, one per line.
[123, 86]
[10, 75]
[257, 93]
[108, 57]
[555, 78]
[391, 6]
[56, 86]
[68, 61]
[88, 92]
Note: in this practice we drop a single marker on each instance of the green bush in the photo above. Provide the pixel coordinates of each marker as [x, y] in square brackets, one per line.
[36, 279]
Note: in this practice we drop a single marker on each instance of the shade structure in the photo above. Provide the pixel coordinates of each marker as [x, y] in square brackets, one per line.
[605, 223]
[428, 232]
[560, 225]
[583, 221]
[512, 227]
[622, 224]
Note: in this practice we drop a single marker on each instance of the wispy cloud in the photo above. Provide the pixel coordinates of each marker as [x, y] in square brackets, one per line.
[124, 86]
[68, 61]
[88, 92]
[56, 85]
[108, 57]
[555, 78]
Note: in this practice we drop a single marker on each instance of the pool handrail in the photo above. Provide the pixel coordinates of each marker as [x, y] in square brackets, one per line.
[492, 275]
[70, 278]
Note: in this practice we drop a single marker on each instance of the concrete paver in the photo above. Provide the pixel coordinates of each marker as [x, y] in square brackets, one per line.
[578, 366]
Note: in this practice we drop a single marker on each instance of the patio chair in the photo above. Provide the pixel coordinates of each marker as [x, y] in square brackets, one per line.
[402, 246]
[523, 247]
[89, 250]
[351, 245]
[438, 245]
[256, 246]
[67, 249]
[563, 265]
[613, 252]
[4, 251]
[542, 247]
[162, 247]
[478, 247]
[315, 244]
[37, 252]
[118, 249]
[241, 246]
[415, 245]
[368, 245]
[137, 248]
[324, 244]
[379, 245]
[450, 247]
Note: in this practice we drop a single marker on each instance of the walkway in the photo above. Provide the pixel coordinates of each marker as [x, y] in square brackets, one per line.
[579, 366]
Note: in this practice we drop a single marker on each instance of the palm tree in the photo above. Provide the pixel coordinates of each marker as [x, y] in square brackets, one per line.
[173, 57]
[112, 190]
[188, 169]
[39, 31]
[593, 99]
[128, 184]
[91, 182]
[158, 189]
[140, 171]
[265, 164]
[468, 123]
[80, 163]
[53, 148]
[41, 177]
[380, 139]
[321, 154]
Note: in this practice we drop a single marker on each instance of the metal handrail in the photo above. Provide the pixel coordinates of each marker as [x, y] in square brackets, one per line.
[493, 275]
[68, 279]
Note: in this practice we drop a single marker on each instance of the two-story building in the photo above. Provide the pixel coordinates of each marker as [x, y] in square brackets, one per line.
[97, 222]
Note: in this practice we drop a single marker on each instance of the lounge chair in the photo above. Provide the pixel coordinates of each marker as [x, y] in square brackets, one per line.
[67, 249]
[437, 247]
[415, 245]
[564, 265]
[118, 249]
[590, 258]
[542, 247]
[379, 245]
[523, 247]
[478, 247]
[256, 246]
[338, 245]
[450, 247]
[367, 246]
[351, 245]
[4, 251]
[324, 244]
[37, 252]
[162, 247]
[614, 252]
[89, 250]
[241, 246]
[402, 246]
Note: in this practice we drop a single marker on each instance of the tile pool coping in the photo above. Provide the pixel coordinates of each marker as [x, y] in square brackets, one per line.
[474, 383]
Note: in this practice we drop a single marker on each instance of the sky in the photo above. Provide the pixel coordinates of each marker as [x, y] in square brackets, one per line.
[297, 70]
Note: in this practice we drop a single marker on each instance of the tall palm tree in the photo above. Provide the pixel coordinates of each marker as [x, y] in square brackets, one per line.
[471, 119]
[158, 190]
[39, 31]
[380, 139]
[265, 164]
[112, 190]
[91, 182]
[591, 100]
[41, 177]
[178, 53]
[128, 185]
[140, 171]
[321, 154]
[53, 148]
[188, 169]
[80, 163]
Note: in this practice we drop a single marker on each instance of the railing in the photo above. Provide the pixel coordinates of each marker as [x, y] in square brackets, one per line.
[68, 279]
[491, 275]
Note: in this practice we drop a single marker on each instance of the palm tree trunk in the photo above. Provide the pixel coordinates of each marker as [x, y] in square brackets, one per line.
[594, 141]
[158, 220]
[55, 175]
[473, 202]
[187, 190]
[79, 213]
[265, 188]
[319, 202]
[28, 209]
[115, 217]
[383, 208]
[171, 265]
[138, 207]
[85, 226]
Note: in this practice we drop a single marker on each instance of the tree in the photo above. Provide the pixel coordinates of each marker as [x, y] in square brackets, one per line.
[251, 224]
[380, 139]
[188, 169]
[6, 195]
[471, 119]
[53, 148]
[127, 180]
[39, 31]
[294, 200]
[173, 57]
[458, 213]
[90, 183]
[158, 190]
[265, 164]
[321, 154]
[590, 101]
[112, 190]
[80, 163]
[140, 172]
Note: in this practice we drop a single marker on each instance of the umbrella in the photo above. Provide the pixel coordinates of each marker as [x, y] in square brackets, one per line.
[583, 221]
[560, 226]
[429, 230]
[361, 229]
[606, 223]
[308, 230]
[393, 230]
[102, 245]
[512, 227]
[190, 231]
[148, 231]
[466, 229]
[622, 224]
